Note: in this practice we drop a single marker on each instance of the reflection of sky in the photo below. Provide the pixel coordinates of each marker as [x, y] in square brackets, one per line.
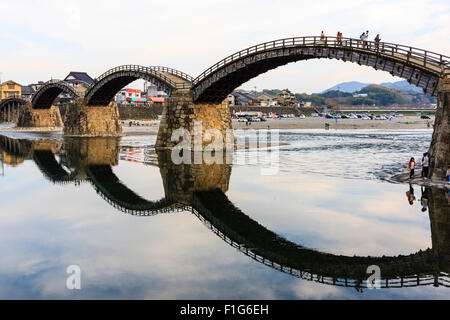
[44, 228]
[333, 214]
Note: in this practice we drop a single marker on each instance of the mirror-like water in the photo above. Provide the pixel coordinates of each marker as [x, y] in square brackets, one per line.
[141, 227]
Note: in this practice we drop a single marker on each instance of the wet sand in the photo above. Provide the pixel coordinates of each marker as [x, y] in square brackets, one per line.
[407, 122]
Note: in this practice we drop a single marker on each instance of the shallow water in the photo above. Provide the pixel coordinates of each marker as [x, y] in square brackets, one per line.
[140, 227]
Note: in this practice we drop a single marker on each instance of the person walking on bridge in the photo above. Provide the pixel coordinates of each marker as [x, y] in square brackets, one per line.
[339, 38]
[377, 41]
[322, 36]
[362, 37]
[366, 37]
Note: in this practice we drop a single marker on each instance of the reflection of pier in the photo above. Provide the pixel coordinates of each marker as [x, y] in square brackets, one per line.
[201, 188]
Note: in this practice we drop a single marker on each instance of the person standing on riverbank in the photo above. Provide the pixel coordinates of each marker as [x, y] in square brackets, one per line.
[411, 167]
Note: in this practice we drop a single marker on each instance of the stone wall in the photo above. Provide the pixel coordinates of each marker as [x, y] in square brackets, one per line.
[82, 120]
[140, 112]
[150, 112]
[180, 112]
[40, 118]
[440, 143]
[278, 110]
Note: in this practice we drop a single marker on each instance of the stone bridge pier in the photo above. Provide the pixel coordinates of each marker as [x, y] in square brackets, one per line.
[180, 112]
[84, 120]
[39, 118]
[440, 143]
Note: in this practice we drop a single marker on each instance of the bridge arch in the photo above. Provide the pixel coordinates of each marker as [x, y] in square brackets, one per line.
[46, 95]
[102, 91]
[11, 101]
[419, 67]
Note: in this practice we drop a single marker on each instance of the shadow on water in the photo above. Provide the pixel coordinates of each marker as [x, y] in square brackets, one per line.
[201, 189]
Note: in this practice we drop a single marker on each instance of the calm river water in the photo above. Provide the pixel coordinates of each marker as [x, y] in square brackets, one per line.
[140, 227]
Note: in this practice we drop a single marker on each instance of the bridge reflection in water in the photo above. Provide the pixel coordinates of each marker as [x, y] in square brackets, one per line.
[201, 189]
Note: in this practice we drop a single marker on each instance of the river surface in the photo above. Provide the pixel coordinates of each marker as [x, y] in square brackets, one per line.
[139, 227]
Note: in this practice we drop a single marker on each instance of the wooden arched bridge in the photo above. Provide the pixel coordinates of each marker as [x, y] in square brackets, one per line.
[420, 67]
[106, 86]
[203, 97]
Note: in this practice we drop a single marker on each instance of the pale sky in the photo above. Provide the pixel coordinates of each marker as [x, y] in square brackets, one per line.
[46, 39]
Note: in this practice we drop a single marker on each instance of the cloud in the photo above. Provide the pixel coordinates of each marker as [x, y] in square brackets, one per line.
[50, 38]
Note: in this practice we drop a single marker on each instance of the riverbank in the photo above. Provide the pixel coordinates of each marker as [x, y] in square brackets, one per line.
[28, 129]
[407, 122]
[418, 180]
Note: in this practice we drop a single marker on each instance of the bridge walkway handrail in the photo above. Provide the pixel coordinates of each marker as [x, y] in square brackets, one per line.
[418, 57]
[139, 68]
[175, 72]
[55, 81]
[51, 82]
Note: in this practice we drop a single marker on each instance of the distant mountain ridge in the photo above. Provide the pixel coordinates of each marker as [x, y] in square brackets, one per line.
[354, 86]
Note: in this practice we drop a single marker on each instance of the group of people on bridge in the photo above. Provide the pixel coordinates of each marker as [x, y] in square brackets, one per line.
[363, 37]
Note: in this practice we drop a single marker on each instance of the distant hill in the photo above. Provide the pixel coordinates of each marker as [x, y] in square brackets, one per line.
[402, 85]
[373, 94]
[380, 96]
[354, 86]
[349, 87]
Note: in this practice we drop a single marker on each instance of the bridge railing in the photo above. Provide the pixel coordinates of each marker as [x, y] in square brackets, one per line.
[418, 57]
[138, 68]
[176, 72]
